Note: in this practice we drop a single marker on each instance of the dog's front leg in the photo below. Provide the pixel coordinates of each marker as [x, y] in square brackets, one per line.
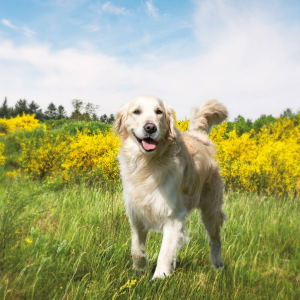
[139, 236]
[172, 238]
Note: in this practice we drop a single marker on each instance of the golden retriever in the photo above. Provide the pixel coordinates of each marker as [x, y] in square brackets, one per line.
[166, 173]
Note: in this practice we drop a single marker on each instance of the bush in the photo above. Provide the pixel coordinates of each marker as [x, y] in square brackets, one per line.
[45, 155]
[265, 161]
[27, 122]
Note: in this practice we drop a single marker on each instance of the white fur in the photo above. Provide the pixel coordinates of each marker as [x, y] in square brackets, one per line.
[163, 186]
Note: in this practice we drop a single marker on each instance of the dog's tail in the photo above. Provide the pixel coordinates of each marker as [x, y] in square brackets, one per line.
[206, 115]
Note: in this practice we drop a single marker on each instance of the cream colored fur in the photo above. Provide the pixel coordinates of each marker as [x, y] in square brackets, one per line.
[162, 187]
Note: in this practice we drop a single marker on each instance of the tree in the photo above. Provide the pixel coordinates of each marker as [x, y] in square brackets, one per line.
[84, 111]
[95, 118]
[21, 107]
[111, 119]
[61, 113]
[288, 113]
[262, 121]
[51, 112]
[34, 108]
[241, 125]
[103, 119]
[4, 110]
[91, 110]
[77, 109]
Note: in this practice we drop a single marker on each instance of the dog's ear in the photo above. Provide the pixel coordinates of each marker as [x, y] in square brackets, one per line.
[170, 120]
[119, 124]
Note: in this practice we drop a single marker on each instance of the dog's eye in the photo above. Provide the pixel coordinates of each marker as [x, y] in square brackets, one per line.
[159, 112]
[137, 112]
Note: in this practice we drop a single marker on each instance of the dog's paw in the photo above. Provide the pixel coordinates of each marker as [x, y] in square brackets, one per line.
[217, 262]
[218, 265]
[216, 256]
[160, 274]
[139, 262]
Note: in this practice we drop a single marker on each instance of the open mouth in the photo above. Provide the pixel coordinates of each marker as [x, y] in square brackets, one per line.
[148, 144]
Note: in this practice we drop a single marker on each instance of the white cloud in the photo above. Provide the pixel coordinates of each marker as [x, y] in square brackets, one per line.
[92, 27]
[110, 8]
[8, 24]
[152, 10]
[251, 65]
[24, 30]
[28, 32]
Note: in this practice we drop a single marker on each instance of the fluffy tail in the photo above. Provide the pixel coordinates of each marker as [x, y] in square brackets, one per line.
[206, 115]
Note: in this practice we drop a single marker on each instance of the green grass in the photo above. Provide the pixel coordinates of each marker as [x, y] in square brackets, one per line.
[81, 250]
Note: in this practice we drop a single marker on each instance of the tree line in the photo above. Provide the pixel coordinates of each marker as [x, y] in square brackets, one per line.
[89, 112]
[243, 125]
[81, 111]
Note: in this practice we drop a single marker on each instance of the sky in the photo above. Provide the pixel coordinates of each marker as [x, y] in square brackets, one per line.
[245, 54]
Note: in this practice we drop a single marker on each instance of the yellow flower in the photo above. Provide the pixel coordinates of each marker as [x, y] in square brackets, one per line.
[29, 241]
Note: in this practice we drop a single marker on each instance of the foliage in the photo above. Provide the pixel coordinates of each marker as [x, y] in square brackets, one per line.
[81, 249]
[107, 120]
[265, 161]
[182, 125]
[89, 127]
[51, 112]
[54, 124]
[27, 122]
[45, 155]
[84, 111]
[2, 158]
[4, 111]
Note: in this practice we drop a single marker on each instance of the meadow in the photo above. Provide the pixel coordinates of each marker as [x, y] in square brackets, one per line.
[65, 234]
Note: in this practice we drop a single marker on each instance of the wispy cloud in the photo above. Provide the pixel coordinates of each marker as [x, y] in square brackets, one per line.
[152, 10]
[92, 27]
[110, 8]
[8, 24]
[28, 32]
[23, 30]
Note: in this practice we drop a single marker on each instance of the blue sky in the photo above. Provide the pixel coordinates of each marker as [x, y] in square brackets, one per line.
[246, 54]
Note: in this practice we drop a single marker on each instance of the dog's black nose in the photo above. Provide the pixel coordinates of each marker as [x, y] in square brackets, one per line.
[150, 128]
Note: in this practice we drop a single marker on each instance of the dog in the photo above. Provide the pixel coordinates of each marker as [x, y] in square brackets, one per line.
[166, 174]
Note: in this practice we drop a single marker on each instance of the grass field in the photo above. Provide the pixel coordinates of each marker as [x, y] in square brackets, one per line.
[79, 248]
[71, 239]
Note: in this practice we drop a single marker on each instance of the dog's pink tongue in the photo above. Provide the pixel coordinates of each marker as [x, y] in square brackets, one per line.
[149, 144]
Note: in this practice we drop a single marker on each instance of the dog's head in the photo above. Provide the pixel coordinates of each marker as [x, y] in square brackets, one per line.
[147, 121]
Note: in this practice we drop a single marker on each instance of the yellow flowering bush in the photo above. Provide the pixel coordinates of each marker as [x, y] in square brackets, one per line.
[183, 125]
[71, 155]
[264, 161]
[5, 126]
[27, 122]
[88, 151]
[43, 154]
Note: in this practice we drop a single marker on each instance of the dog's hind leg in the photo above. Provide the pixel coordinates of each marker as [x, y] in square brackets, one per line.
[138, 242]
[213, 225]
[173, 236]
[213, 217]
